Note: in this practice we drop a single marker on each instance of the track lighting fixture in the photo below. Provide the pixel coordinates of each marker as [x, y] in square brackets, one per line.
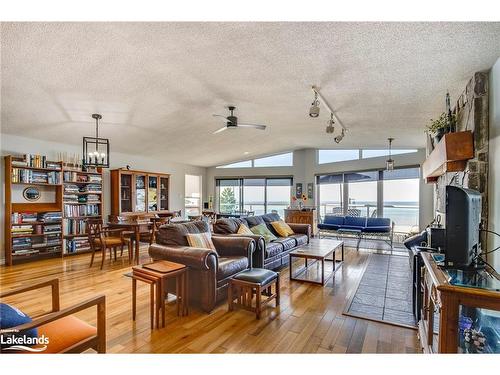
[340, 137]
[314, 110]
[329, 127]
[389, 164]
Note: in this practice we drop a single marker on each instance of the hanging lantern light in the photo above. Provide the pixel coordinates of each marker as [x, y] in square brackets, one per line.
[95, 149]
[389, 164]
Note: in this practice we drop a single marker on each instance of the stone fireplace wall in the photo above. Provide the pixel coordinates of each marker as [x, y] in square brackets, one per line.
[472, 114]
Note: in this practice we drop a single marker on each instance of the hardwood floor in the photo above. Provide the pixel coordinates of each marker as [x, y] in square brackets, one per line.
[309, 319]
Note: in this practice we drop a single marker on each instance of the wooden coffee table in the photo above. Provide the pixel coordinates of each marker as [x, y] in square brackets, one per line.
[316, 253]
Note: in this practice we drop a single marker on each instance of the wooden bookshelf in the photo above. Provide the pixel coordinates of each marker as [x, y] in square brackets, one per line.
[79, 178]
[37, 247]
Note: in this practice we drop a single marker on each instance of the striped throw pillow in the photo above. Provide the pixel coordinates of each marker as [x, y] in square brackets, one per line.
[201, 240]
[243, 229]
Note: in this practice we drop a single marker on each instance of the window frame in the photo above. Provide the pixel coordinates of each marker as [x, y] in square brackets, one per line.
[252, 162]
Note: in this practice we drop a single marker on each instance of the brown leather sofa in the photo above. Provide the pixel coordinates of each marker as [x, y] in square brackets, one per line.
[209, 270]
[273, 254]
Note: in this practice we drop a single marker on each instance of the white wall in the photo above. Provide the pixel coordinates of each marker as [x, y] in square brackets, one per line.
[494, 164]
[305, 168]
[19, 145]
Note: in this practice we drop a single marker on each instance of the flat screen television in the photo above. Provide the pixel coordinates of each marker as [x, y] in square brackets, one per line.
[463, 217]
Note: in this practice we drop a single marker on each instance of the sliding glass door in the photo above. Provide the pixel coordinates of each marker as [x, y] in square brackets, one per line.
[257, 195]
[380, 193]
[229, 195]
[401, 189]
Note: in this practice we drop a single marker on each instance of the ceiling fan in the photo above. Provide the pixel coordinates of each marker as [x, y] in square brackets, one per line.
[232, 122]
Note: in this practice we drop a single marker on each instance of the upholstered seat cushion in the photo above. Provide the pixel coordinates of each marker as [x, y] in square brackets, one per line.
[11, 316]
[329, 226]
[301, 239]
[109, 241]
[288, 242]
[228, 266]
[65, 332]
[259, 276]
[376, 229]
[273, 249]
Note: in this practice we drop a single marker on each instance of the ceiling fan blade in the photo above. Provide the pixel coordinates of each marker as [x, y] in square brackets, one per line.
[220, 130]
[224, 117]
[253, 126]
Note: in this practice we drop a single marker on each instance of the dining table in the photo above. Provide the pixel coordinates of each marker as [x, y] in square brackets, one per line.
[137, 227]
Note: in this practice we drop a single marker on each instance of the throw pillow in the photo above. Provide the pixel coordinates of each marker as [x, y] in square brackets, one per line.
[243, 229]
[12, 317]
[282, 228]
[262, 230]
[203, 240]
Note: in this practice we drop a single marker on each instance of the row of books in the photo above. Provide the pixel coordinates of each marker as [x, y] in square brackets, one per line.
[75, 189]
[72, 210]
[74, 226]
[35, 161]
[22, 229]
[31, 177]
[32, 217]
[76, 177]
[77, 244]
[52, 228]
[52, 249]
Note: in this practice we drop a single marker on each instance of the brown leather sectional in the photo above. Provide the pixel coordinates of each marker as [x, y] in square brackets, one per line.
[273, 254]
[209, 270]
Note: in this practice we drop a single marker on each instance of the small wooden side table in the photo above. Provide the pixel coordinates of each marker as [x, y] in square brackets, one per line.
[157, 274]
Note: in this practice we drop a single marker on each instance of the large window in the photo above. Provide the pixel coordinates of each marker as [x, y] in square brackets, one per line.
[281, 160]
[334, 156]
[192, 196]
[257, 195]
[392, 194]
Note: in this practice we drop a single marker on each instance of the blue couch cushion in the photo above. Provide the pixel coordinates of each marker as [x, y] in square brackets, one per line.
[353, 222]
[378, 222]
[335, 220]
[12, 317]
[377, 229]
[328, 226]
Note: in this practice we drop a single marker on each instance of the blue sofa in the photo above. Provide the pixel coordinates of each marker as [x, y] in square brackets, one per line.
[379, 228]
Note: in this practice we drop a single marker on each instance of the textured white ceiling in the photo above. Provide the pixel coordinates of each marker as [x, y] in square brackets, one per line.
[157, 84]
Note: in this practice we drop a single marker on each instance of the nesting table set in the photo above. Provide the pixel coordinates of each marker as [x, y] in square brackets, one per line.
[157, 275]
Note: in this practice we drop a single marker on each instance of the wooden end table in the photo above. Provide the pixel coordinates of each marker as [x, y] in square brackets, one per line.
[318, 250]
[157, 274]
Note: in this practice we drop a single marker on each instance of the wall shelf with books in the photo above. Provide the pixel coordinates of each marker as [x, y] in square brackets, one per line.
[82, 199]
[33, 201]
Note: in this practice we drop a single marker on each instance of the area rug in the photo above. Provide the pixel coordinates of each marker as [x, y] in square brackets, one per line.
[384, 293]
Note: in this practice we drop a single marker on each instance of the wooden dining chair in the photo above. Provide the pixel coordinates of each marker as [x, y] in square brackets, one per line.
[101, 238]
[156, 223]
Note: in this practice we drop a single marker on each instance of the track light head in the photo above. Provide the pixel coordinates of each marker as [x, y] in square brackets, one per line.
[339, 137]
[329, 127]
[314, 110]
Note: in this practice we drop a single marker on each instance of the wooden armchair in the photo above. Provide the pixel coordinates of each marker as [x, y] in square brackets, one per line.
[101, 238]
[65, 332]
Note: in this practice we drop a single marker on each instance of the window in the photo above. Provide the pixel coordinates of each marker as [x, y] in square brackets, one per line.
[281, 160]
[392, 194]
[365, 154]
[257, 195]
[240, 164]
[332, 156]
[192, 196]
[401, 198]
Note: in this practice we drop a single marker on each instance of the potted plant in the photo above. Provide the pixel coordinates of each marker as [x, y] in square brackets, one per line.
[439, 127]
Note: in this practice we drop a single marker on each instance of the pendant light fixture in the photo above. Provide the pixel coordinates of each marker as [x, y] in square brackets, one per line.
[389, 164]
[95, 149]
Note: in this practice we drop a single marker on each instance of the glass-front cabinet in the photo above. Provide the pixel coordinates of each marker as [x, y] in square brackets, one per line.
[152, 193]
[138, 192]
[460, 310]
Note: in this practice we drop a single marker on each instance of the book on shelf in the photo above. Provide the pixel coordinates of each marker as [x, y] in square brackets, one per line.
[52, 228]
[21, 243]
[77, 244]
[48, 217]
[70, 176]
[35, 177]
[72, 210]
[35, 161]
[22, 229]
[75, 226]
